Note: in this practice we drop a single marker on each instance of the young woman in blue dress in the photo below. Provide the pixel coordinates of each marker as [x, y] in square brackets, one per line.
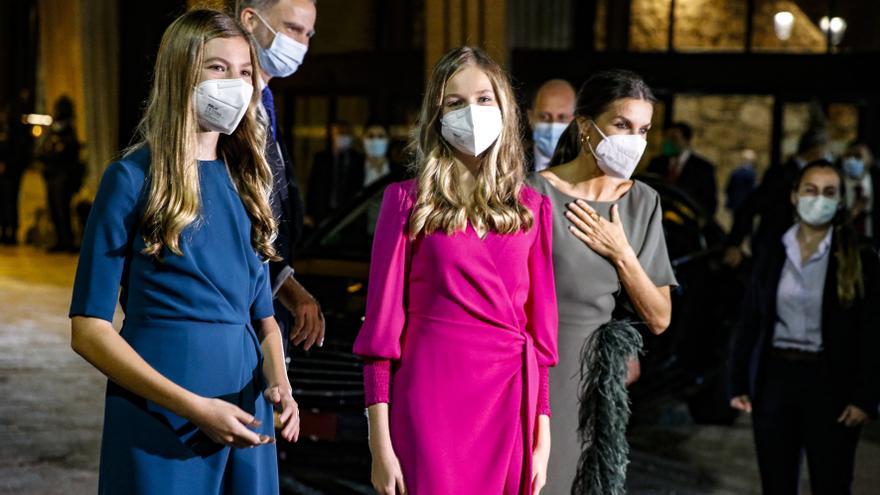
[182, 224]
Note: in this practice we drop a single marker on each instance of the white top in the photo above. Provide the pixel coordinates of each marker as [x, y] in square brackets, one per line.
[372, 175]
[679, 162]
[799, 295]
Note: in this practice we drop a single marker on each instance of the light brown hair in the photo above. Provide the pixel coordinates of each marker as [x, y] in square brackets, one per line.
[495, 205]
[170, 126]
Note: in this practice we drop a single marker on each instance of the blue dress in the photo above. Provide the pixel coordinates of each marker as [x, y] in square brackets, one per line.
[190, 318]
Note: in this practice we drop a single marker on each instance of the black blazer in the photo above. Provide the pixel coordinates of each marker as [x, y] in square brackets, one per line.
[697, 179]
[850, 336]
[342, 176]
[875, 215]
[287, 208]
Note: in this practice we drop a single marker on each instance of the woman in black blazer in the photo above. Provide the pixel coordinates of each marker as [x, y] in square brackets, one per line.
[805, 355]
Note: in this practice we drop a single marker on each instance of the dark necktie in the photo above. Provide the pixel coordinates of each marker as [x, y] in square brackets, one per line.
[674, 170]
[273, 156]
[269, 105]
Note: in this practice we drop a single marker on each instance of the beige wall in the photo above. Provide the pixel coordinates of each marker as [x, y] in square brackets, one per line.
[60, 70]
[453, 23]
[78, 57]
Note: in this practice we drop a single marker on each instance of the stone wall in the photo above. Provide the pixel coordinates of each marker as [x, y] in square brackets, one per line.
[710, 25]
[724, 126]
[806, 37]
[716, 25]
[649, 25]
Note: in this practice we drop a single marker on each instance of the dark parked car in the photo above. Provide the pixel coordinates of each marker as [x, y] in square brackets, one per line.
[332, 454]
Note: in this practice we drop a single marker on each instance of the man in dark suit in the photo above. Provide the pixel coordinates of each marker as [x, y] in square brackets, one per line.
[282, 30]
[862, 184]
[15, 159]
[771, 201]
[680, 166]
[337, 175]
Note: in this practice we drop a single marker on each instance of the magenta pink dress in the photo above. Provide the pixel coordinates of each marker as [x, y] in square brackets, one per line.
[469, 328]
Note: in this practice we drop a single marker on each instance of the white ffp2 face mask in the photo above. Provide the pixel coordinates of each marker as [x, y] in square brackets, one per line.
[284, 56]
[221, 103]
[472, 129]
[618, 155]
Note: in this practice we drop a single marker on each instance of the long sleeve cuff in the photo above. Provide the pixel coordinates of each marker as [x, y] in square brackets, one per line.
[377, 381]
[544, 391]
[285, 272]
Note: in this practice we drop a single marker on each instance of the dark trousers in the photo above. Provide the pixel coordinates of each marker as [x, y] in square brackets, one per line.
[60, 194]
[10, 185]
[793, 414]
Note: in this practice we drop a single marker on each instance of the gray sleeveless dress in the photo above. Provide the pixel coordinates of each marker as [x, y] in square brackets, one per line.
[586, 286]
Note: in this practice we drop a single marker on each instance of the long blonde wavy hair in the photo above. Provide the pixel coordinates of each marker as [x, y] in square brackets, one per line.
[170, 126]
[440, 203]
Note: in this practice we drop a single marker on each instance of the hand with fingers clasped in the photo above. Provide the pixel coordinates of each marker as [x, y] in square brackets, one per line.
[227, 424]
[607, 238]
[286, 409]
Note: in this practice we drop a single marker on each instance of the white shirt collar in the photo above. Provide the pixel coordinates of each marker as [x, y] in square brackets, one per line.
[793, 247]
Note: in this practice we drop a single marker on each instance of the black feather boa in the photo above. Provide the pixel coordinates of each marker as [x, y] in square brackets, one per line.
[605, 409]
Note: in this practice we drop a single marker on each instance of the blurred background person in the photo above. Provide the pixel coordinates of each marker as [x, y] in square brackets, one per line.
[337, 174]
[62, 170]
[803, 358]
[15, 159]
[741, 181]
[17, 154]
[770, 199]
[861, 178]
[681, 166]
[551, 111]
[376, 164]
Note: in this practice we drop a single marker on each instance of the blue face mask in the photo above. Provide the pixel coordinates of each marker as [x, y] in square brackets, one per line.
[376, 147]
[283, 56]
[854, 167]
[546, 136]
[817, 210]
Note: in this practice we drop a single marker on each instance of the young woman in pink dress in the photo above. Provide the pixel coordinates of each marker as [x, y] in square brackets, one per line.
[461, 314]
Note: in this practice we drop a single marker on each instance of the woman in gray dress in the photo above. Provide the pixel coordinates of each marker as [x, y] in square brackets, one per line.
[607, 236]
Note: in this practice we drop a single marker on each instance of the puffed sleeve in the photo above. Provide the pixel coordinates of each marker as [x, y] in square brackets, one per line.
[262, 306]
[653, 255]
[541, 309]
[379, 338]
[109, 230]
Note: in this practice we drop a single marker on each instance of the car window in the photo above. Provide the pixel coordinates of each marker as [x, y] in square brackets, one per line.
[352, 237]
